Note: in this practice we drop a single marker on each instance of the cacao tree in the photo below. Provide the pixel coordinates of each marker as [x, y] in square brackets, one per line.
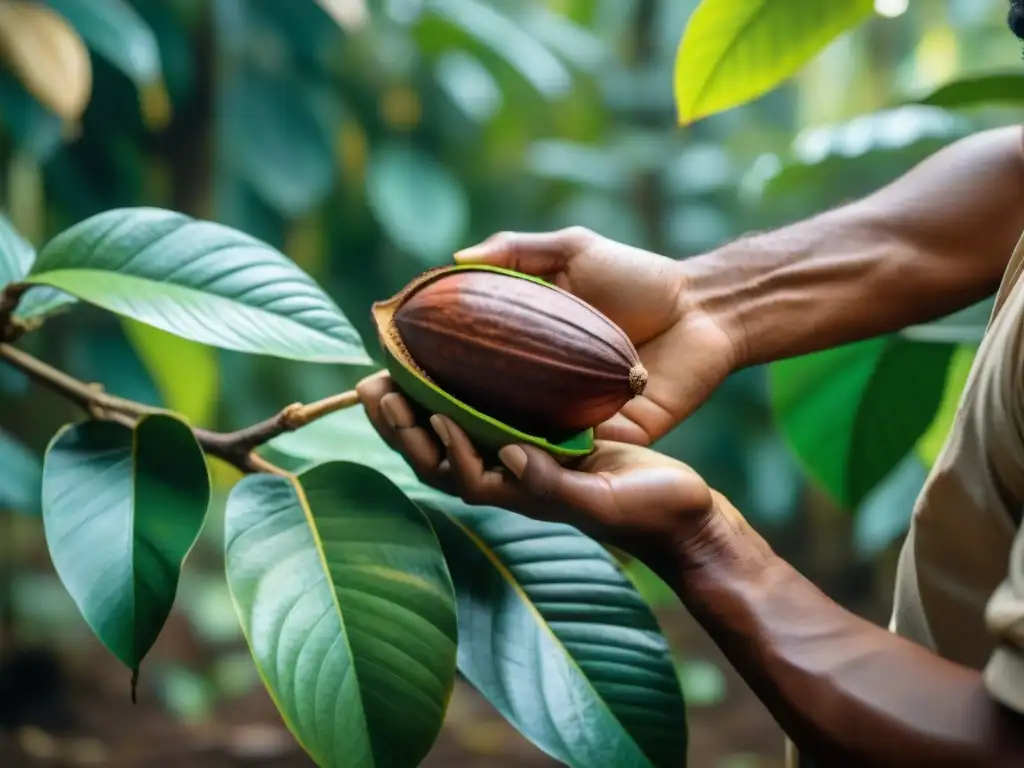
[359, 590]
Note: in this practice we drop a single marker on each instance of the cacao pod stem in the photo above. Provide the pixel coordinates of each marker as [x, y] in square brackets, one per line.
[638, 379]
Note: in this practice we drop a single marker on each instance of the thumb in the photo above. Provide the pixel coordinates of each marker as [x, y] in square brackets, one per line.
[533, 253]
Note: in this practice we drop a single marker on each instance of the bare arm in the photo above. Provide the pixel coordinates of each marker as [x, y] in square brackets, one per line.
[936, 240]
[847, 692]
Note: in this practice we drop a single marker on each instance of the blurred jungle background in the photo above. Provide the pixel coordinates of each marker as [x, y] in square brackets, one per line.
[368, 140]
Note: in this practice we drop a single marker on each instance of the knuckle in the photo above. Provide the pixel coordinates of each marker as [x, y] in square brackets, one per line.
[577, 235]
[504, 239]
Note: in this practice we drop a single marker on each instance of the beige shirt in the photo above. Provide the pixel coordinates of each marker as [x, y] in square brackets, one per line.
[960, 581]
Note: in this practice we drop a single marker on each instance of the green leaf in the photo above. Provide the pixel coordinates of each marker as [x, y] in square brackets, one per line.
[345, 435]
[121, 510]
[348, 609]
[116, 32]
[886, 512]
[276, 142]
[504, 38]
[21, 476]
[866, 152]
[852, 413]
[16, 258]
[421, 205]
[201, 281]
[993, 89]
[16, 253]
[932, 441]
[559, 641]
[734, 51]
[165, 356]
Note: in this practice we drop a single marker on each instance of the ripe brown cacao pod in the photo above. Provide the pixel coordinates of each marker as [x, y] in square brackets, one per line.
[525, 353]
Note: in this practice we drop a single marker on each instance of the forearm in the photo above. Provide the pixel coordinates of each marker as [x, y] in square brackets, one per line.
[846, 691]
[936, 240]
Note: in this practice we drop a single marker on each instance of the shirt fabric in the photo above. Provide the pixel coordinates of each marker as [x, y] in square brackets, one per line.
[960, 579]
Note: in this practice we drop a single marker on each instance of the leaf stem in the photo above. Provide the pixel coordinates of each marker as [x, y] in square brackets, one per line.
[236, 448]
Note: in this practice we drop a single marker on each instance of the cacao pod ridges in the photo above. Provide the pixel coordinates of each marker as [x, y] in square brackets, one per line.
[524, 352]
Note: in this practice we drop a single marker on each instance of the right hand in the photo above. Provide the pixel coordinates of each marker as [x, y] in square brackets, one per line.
[686, 350]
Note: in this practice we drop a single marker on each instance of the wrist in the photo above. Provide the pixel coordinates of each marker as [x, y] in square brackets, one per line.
[710, 289]
[704, 548]
[722, 536]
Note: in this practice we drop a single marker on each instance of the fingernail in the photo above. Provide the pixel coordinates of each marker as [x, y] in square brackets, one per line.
[439, 427]
[513, 457]
[390, 409]
[467, 254]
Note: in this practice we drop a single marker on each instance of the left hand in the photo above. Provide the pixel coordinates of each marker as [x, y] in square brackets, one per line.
[618, 493]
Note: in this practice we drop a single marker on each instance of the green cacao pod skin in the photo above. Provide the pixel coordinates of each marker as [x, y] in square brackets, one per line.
[528, 354]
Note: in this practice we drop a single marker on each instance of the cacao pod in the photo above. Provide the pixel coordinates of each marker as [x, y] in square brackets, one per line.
[520, 354]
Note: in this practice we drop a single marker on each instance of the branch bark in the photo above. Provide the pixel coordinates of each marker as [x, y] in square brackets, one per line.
[10, 297]
[236, 448]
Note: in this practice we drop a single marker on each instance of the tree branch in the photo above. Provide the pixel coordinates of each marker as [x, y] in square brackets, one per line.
[10, 297]
[236, 447]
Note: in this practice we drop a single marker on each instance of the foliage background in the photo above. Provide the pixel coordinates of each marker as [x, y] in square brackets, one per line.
[370, 150]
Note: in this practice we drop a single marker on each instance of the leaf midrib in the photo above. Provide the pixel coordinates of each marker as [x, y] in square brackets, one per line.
[307, 511]
[518, 589]
[53, 279]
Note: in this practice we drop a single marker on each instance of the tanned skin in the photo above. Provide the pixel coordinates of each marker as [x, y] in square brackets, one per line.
[847, 692]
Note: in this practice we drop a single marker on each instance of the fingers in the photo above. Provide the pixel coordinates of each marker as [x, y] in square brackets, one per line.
[473, 482]
[372, 391]
[395, 421]
[545, 479]
[537, 484]
[621, 429]
[542, 253]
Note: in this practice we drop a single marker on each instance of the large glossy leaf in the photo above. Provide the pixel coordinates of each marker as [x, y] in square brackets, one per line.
[121, 510]
[277, 143]
[734, 51]
[116, 32]
[558, 639]
[165, 357]
[16, 258]
[348, 608]
[853, 413]
[422, 207]
[199, 280]
[20, 476]
[989, 90]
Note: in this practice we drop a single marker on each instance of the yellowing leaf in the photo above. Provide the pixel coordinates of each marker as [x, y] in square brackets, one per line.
[184, 371]
[47, 55]
[736, 50]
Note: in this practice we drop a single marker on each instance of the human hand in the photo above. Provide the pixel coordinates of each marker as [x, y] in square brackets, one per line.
[622, 494]
[686, 350]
